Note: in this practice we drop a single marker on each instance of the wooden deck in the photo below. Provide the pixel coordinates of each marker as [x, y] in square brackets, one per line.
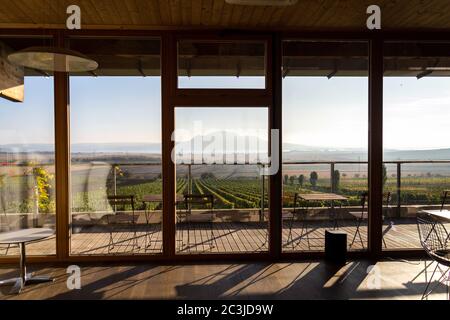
[224, 238]
[399, 279]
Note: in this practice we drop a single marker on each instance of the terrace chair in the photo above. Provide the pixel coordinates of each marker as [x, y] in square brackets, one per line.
[301, 216]
[148, 213]
[184, 214]
[388, 199]
[120, 217]
[434, 239]
[362, 215]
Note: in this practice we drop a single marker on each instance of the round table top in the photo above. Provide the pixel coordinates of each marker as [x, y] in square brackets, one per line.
[25, 235]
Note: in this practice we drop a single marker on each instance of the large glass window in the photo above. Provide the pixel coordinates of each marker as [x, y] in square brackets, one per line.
[416, 130]
[221, 65]
[27, 151]
[222, 196]
[325, 143]
[116, 149]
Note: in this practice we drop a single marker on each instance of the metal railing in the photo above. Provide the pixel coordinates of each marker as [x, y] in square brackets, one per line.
[397, 163]
[332, 167]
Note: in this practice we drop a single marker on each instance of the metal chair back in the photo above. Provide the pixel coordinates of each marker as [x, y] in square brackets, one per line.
[433, 236]
[363, 199]
[121, 202]
[199, 199]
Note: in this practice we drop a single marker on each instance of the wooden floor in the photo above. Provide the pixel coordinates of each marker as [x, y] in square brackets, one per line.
[398, 279]
[225, 237]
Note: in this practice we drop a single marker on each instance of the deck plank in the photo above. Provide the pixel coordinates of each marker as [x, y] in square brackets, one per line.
[229, 237]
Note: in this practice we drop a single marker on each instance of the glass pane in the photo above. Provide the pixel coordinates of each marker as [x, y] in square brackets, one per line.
[221, 65]
[219, 154]
[416, 131]
[116, 151]
[27, 158]
[325, 143]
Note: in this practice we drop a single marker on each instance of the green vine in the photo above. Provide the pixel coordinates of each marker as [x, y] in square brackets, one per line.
[43, 185]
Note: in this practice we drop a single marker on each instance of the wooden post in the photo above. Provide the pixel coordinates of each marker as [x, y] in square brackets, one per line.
[275, 121]
[375, 146]
[168, 75]
[62, 159]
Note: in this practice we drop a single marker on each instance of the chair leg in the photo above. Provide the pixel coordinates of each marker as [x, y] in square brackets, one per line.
[266, 241]
[188, 230]
[307, 235]
[8, 246]
[135, 240]
[290, 238]
[384, 242]
[213, 239]
[304, 232]
[111, 240]
[425, 294]
[448, 284]
[356, 233]
[335, 215]
[146, 240]
[360, 238]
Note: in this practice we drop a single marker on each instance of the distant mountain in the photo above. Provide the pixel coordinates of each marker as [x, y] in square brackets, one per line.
[116, 147]
[434, 154]
[293, 152]
[36, 147]
[87, 148]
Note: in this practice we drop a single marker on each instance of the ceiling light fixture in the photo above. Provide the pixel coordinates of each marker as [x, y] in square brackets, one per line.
[262, 2]
[53, 59]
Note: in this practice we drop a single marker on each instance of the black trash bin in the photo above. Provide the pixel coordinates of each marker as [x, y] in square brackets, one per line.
[336, 246]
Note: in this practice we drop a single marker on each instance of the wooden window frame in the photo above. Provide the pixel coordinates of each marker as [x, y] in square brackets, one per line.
[271, 97]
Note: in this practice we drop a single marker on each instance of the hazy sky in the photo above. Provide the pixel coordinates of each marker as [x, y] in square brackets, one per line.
[317, 112]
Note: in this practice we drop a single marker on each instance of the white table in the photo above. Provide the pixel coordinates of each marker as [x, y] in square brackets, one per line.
[21, 238]
[331, 197]
[443, 216]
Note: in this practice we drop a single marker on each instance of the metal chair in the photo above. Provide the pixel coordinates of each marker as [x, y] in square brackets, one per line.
[360, 216]
[388, 197]
[363, 215]
[149, 212]
[120, 216]
[286, 215]
[185, 213]
[434, 239]
[291, 216]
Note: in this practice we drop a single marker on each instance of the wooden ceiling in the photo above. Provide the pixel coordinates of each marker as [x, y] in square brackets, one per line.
[320, 15]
